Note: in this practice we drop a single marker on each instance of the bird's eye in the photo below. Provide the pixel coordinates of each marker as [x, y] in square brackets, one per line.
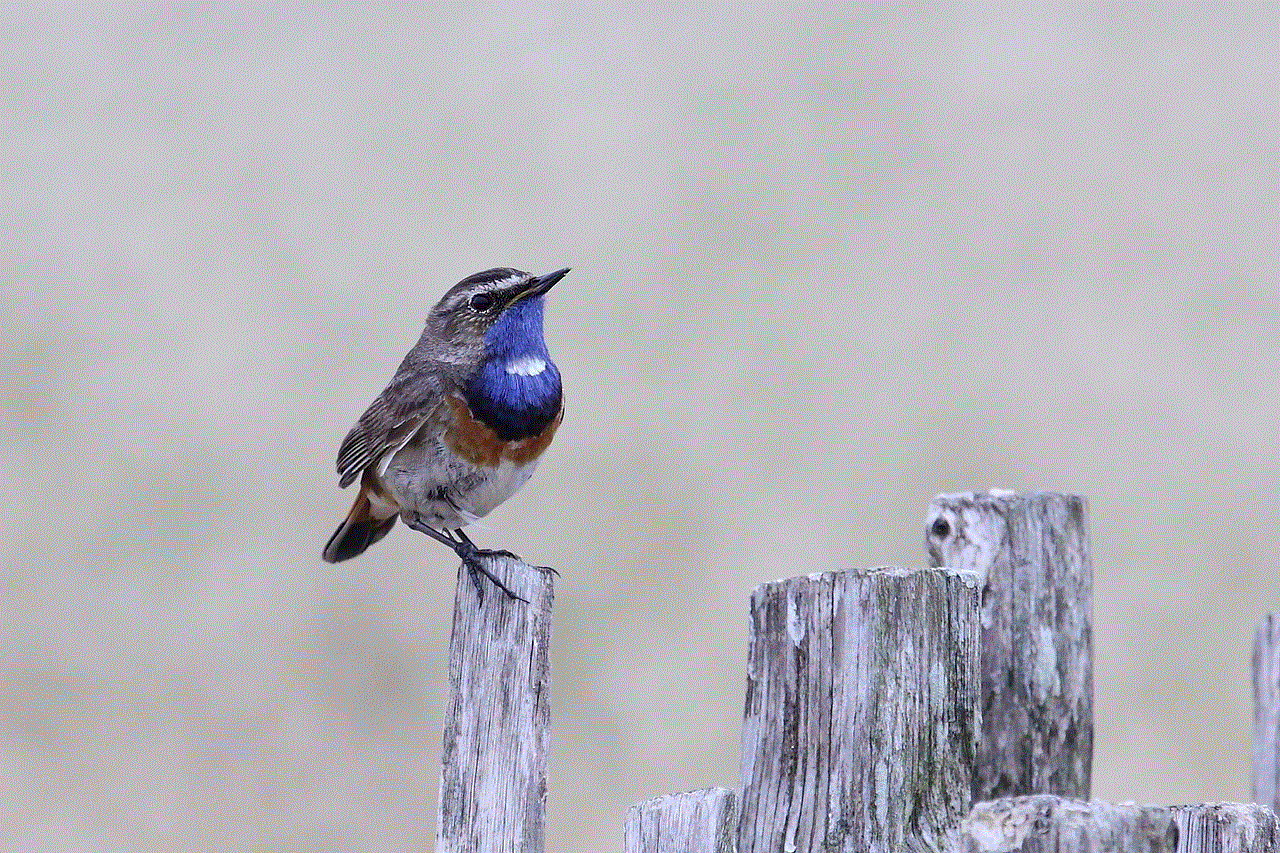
[481, 302]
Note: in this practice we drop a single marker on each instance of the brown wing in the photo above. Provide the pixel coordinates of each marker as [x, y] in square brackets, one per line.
[390, 421]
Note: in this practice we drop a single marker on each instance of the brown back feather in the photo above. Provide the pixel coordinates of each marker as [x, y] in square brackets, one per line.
[403, 406]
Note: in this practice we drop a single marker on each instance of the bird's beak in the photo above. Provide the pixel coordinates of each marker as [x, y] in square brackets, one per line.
[543, 283]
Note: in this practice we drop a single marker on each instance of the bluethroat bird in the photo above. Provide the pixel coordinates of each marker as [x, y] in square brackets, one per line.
[462, 424]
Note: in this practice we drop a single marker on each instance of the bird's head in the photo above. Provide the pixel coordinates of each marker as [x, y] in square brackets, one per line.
[495, 314]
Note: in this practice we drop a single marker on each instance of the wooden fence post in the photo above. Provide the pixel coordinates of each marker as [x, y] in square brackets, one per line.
[1266, 712]
[861, 719]
[1037, 636]
[703, 821]
[493, 779]
[1226, 828]
[1047, 824]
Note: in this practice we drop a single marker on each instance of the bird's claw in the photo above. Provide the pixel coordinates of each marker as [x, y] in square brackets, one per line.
[473, 558]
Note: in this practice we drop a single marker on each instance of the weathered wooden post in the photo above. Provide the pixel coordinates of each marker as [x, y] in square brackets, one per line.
[1266, 712]
[860, 722]
[1047, 824]
[1226, 828]
[1032, 552]
[704, 821]
[493, 779]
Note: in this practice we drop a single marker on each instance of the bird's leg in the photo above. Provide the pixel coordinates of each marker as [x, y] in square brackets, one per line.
[473, 559]
[471, 556]
[491, 553]
[484, 552]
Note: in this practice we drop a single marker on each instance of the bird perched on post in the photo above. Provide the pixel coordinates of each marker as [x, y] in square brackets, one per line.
[462, 424]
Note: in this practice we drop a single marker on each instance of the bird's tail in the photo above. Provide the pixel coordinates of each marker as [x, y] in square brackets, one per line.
[358, 531]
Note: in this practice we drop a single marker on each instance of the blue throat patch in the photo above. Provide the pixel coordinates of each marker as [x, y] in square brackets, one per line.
[512, 404]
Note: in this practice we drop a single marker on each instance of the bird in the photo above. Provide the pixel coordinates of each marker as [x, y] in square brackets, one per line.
[462, 423]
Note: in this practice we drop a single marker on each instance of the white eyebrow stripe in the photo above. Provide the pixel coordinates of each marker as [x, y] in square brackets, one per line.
[526, 365]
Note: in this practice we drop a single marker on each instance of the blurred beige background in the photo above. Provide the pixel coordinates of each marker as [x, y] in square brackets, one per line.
[826, 264]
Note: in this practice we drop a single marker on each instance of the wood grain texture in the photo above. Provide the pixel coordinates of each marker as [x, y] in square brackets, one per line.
[704, 821]
[1037, 635]
[1047, 824]
[860, 723]
[1266, 712]
[493, 780]
[1226, 828]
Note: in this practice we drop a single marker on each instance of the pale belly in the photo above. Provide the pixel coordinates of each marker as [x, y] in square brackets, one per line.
[446, 491]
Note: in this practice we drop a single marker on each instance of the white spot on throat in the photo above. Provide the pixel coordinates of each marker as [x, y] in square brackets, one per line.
[526, 365]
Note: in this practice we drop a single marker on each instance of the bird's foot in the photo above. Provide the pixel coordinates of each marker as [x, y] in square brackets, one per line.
[474, 559]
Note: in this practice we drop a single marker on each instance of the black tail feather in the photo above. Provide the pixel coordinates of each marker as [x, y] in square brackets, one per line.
[358, 532]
